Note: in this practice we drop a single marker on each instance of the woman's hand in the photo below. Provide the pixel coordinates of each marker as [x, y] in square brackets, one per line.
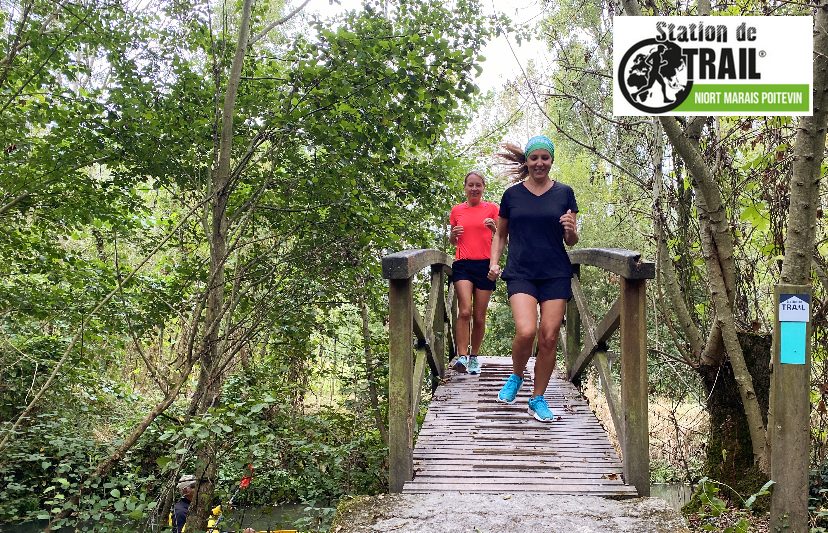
[490, 223]
[456, 231]
[570, 227]
[494, 272]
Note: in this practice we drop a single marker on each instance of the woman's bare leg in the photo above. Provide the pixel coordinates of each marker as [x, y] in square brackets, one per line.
[463, 289]
[551, 316]
[525, 313]
[479, 307]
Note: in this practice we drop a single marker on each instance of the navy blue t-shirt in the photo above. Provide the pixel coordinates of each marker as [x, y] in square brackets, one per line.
[536, 247]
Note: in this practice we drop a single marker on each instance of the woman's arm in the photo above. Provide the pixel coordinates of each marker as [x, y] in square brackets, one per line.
[499, 240]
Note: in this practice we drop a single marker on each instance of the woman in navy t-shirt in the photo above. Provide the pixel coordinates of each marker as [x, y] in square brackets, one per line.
[537, 216]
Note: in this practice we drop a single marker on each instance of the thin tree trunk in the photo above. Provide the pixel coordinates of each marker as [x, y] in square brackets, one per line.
[210, 379]
[665, 263]
[369, 371]
[808, 154]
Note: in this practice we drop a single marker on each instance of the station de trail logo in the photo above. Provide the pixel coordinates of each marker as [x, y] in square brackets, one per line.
[712, 65]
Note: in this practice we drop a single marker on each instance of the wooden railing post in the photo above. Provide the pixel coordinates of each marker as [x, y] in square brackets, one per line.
[573, 331]
[438, 322]
[790, 405]
[400, 415]
[404, 377]
[636, 439]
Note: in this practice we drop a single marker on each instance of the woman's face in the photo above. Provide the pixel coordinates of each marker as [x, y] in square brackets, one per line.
[539, 162]
[473, 188]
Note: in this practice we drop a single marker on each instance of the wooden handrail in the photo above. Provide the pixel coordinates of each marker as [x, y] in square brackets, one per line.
[434, 335]
[625, 263]
[628, 315]
[407, 263]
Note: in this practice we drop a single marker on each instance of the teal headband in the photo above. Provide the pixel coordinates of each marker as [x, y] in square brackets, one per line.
[539, 142]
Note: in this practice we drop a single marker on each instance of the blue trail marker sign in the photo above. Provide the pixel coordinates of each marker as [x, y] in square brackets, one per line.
[794, 314]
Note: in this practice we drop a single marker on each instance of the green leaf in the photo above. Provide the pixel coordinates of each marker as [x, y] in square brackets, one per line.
[764, 491]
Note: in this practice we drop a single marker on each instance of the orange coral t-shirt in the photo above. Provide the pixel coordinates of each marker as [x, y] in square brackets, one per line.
[476, 240]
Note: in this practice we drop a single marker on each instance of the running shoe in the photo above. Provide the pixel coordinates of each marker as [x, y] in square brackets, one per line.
[539, 409]
[460, 364]
[473, 366]
[510, 389]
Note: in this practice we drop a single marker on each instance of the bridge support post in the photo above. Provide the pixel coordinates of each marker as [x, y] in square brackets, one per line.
[438, 321]
[636, 437]
[573, 333]
[400, 393]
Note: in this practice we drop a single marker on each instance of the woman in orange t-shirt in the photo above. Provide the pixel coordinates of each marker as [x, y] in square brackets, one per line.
[472, 227]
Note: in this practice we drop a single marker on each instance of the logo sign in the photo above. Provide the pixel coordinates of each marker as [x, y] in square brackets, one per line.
[794, 308]
[712, 66]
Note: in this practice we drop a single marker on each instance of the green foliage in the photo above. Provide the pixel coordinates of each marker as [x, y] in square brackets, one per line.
[107, 126]
[43, 470]
[818, 497]
[706, 503]
[664, 472]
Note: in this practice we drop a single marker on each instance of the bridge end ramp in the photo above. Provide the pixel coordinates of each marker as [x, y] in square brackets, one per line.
[458, 512]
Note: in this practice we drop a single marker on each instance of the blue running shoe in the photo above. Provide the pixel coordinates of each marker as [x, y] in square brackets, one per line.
[510, 389]
[474, 365]
[539, 409]
[460, 364]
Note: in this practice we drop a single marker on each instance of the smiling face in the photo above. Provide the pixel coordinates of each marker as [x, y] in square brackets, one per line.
[539, 162]
[474, 187]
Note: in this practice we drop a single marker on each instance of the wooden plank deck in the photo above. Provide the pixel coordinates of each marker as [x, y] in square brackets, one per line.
[471, 443]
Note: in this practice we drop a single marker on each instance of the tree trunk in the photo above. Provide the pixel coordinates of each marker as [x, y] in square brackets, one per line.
[210, 379]
[808, 155]
[729, 456]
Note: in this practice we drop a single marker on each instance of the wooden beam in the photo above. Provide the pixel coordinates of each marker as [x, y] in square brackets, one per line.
[595, 336]
[626, 263]
[451, 318]
[405, 264]
[400, 393]
[419, 327]
[425, 341]
[636, 444]
[572, 342]
[602, 365]
[789, 427]
[417, 383]
[432, 302]
[438, 319]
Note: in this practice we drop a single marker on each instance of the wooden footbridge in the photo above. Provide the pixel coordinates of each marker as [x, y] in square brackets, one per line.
[467, 441]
